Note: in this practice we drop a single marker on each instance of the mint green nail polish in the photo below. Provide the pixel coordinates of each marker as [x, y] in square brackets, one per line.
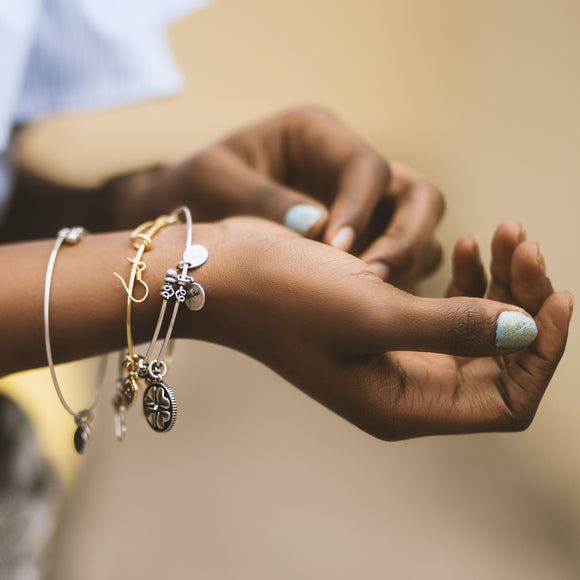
[300, 218]
[515, 330]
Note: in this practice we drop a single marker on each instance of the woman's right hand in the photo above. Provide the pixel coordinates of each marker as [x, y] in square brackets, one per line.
[396, 365]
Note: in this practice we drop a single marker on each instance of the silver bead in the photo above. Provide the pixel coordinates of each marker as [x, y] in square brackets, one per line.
[72, 236]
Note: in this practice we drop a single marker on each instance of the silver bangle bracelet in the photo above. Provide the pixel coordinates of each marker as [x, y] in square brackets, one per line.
[83, 418]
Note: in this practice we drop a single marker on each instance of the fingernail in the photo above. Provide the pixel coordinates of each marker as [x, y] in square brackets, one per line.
[300, 218]
[344, 238]
[380, 269]
[523, 234]
[515, 330]
[541, 259]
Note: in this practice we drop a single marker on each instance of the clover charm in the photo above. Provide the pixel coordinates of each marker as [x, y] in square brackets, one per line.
[159, 407]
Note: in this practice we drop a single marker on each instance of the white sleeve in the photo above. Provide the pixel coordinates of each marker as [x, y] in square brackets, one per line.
[92, 54]
[62, 56]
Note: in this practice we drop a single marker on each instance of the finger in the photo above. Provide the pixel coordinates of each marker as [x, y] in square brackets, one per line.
[530, 286]
[228, 186]
[407, 280]
[526, 377]
[361, 185]
[468, 273]
[505, 240]
[418, 208]
[392, 320]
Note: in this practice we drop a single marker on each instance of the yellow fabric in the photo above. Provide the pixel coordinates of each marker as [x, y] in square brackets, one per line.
[34, 393]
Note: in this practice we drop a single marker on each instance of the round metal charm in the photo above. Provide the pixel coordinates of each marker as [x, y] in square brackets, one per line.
[195, 297]
[195, 255]
[159, 407]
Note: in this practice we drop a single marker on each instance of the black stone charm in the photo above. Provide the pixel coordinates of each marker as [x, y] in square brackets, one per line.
[159, 407]
[81, 439]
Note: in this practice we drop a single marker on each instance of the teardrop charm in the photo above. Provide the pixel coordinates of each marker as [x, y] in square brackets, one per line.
[81, 439]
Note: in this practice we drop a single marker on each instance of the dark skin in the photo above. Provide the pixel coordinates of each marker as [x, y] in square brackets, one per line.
[302, 156]
[394, 364]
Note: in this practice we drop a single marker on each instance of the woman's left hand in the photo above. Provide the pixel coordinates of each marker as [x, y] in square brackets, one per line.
[306, 170]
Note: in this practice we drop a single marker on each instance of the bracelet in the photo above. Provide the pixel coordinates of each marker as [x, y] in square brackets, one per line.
[83, 419]
[129, 383]
[159, 404]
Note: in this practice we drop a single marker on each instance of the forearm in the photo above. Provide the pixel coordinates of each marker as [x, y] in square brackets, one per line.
[40, 207]
[88, 303]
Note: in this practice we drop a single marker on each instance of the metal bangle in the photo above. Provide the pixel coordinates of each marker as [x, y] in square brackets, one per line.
[70, 237]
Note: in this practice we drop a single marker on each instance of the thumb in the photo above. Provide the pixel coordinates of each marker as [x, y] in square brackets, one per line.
[272, 200]
[225, 185]
[457, 326]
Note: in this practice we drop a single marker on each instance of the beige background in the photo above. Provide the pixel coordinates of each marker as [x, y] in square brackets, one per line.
[258, 482]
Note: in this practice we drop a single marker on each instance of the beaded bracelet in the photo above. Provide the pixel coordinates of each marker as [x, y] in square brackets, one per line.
[83, 419]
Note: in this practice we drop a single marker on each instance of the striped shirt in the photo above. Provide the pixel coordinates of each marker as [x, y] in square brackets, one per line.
[62, 56]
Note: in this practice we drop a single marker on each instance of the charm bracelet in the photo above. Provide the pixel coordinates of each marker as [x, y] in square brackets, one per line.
[159, 404]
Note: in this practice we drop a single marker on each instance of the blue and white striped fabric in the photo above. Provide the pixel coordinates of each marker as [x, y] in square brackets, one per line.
[59, 56]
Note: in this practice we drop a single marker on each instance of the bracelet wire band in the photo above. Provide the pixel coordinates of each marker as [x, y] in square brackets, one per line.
[70, 237]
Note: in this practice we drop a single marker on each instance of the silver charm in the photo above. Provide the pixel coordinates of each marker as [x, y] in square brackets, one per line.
[81, 439]
[195, 255]
[82, 433]
[72, 236]
[120, 423]
[195, 297]
[180, 294]
[159, 407]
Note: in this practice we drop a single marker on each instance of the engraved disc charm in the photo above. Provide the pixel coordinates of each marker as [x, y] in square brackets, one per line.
[195, 297]
[159, 407]
[81, 439]
[195, 255]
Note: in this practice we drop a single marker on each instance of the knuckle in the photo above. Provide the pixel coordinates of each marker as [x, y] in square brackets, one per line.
[380, 165]
[202, 161]
[402, 254]
[520, 421]
[264, 200]
[465, 326]
[435, 197]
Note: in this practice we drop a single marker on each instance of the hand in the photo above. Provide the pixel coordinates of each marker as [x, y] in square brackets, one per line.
[396, 365]
[307, 170]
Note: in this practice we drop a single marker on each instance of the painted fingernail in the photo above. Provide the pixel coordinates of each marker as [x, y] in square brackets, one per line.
[300, 218]
[380, 269]
[344, 238]
[515, 330]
